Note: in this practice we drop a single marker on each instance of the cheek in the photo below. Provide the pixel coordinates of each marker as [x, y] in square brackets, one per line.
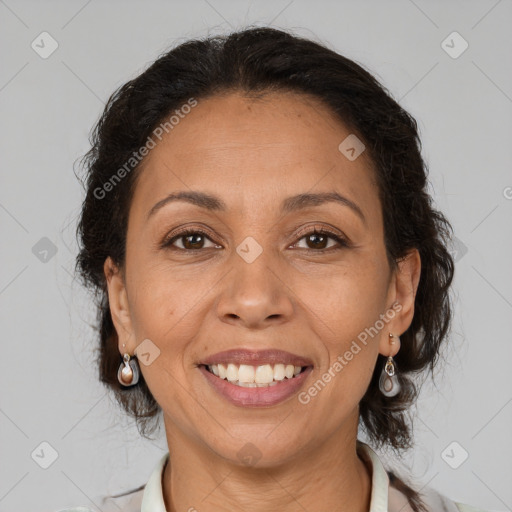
[164, 314]
[346, 308]
[346, 300]
[166, 300]
[160, 312]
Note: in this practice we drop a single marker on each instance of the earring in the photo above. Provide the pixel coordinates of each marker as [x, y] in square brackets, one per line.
[388, 382]
[128, 373]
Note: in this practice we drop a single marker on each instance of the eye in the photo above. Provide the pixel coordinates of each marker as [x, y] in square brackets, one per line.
[317, 239]
[195, 240]
[191, 240]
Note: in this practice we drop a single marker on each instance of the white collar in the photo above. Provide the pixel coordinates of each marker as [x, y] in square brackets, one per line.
[153, 499]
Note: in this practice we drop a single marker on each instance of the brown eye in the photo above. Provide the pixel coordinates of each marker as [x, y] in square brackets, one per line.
[191, 240]
[317, 240]
[195, 241]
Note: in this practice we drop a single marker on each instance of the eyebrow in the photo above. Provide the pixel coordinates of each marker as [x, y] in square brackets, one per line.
[290, 204]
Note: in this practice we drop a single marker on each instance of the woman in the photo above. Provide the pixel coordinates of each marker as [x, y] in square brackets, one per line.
[270, 274]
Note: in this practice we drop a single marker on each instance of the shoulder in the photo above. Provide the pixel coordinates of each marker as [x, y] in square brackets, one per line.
[126, 502]
[388, 489]
[437, 501]
[134, 500]
[432, 499]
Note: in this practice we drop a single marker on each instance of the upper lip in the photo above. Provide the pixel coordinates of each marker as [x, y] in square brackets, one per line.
[256, 357]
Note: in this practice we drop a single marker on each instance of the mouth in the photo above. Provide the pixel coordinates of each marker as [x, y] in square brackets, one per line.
[252, 376]
[255, 386]
[255, 379]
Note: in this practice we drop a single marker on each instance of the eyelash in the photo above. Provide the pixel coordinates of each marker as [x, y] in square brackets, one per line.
[168, 242]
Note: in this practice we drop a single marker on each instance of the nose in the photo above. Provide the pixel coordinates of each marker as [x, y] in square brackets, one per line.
[255, 295]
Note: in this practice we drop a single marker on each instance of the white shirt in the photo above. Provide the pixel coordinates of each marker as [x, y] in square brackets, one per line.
[384, 498]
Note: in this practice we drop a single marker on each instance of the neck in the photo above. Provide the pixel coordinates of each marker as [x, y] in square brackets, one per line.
[330, 477]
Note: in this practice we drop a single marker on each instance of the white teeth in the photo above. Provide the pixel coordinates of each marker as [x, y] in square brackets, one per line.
[254, 376]
[264, 374]
[288, 371]
[246, 373]
[279, 372]
[232, 373]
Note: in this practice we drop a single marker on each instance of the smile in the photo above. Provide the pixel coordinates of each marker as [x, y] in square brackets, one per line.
[250, 376]
[254, 393]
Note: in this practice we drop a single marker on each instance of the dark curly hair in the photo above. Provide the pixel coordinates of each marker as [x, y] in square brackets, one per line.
[257, 61]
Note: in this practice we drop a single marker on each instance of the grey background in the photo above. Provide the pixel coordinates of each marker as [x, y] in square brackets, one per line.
[49, 387]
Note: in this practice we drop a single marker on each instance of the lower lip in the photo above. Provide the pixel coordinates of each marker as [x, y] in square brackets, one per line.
[256, 397]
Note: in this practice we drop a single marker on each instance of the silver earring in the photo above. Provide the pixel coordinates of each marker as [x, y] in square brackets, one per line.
[128, 373]
[388, 382]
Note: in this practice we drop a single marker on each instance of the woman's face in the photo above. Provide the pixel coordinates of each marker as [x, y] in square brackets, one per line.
[253, 277]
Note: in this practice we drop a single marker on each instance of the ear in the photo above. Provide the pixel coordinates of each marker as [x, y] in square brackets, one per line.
[402, 291]
[119, 307]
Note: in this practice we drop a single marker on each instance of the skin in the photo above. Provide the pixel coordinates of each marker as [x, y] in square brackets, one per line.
[253, 154]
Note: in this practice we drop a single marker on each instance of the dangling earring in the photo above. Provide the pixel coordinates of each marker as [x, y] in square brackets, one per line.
[388, 382]
[128, 373]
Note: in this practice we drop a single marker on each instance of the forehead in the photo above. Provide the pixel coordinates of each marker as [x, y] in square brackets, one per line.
[261, 148]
